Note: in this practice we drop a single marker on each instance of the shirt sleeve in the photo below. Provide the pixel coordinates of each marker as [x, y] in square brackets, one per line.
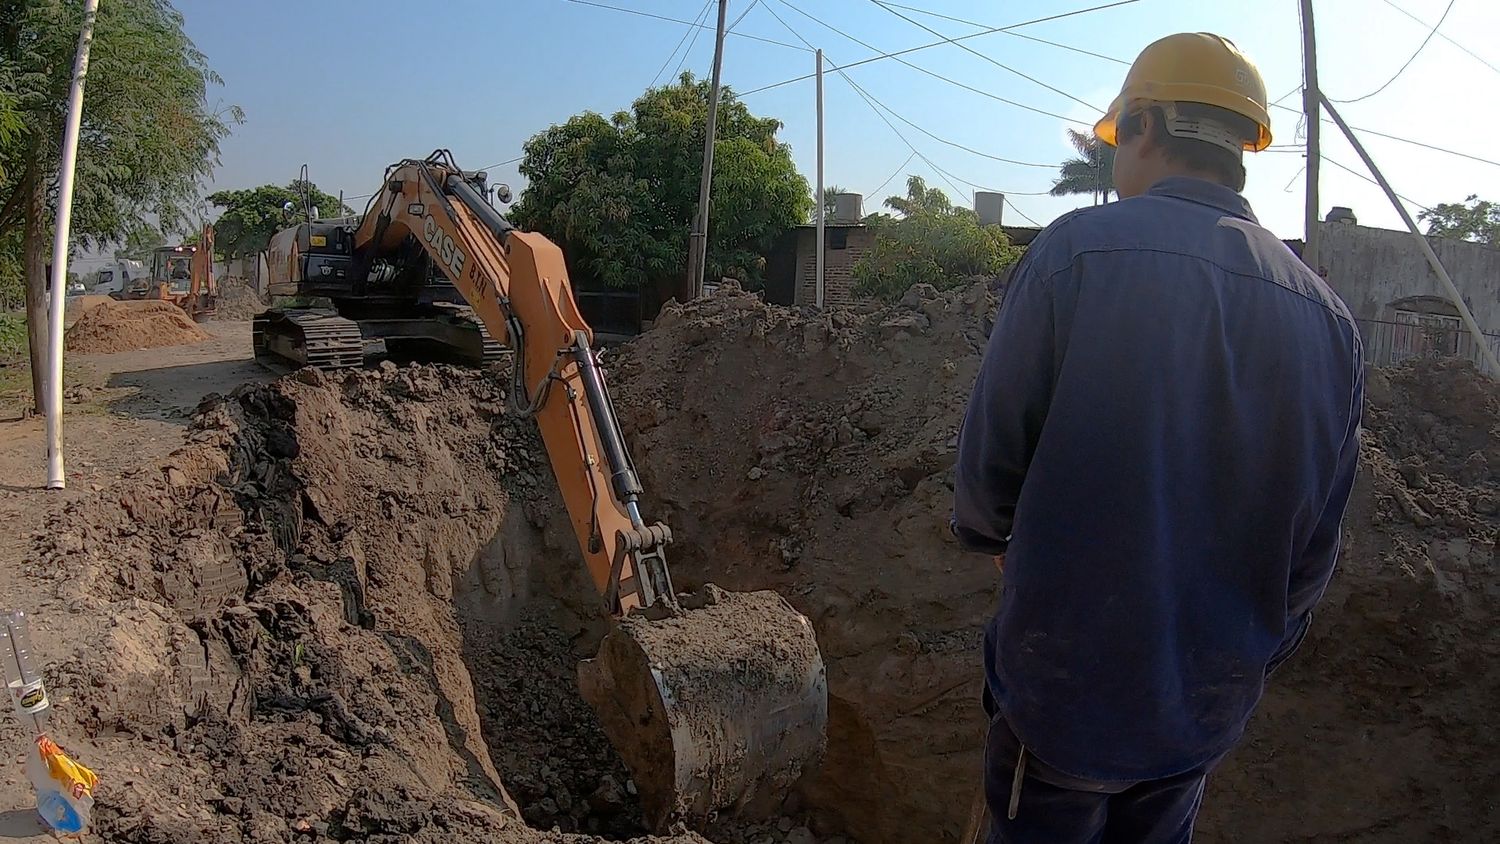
[1310, 574]
[1005, 413]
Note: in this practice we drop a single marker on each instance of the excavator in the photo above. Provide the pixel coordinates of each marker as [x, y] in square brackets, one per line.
[182, 275]
[716, 703]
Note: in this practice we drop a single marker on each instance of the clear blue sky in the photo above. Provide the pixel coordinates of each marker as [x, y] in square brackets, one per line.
[348, 87]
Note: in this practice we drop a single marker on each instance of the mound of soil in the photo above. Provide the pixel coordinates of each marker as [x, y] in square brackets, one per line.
[112, 326]
[811, 454]
[236, 300]
[275, 618]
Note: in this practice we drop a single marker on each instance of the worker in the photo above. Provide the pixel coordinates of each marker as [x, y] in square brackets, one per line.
[1158, 451]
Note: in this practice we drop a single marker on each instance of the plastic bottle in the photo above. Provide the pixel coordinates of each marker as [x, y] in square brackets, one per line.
[23, 676]
[64, 797]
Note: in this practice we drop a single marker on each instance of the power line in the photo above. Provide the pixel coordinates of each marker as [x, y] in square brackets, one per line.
[639, 13]
[915, 67]
[1412, 58]
[892, 55]
[1481, 59]
[1078, 50]
[698, 28]
[748, 10]
[893, 175]
[1353, 172]
[966, 48]
[1389, 136]
[908, 122]
[691, 30]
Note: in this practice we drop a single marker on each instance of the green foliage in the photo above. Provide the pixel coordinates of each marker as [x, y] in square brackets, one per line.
[12, 336]
[148, 135]
[931, 242]
[10, 122]
[1475, 219]
[140, 239]
[619, 194]
[12, 280]
[1091, 172]
[830, 203]
[252, 216]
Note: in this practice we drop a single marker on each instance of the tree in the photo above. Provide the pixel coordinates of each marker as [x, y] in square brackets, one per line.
[619, 194]
[1475, 219]
[148, 136]
[140, 240]
[1091, 172]
[931, 242]
[252, 216]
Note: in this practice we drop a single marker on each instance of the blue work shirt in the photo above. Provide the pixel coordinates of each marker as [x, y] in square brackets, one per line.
[1162, 440]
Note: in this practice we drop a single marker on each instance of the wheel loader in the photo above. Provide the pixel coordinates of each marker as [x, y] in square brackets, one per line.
[716, 702]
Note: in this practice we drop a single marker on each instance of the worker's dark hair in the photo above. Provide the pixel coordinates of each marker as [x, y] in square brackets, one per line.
[1201, 156]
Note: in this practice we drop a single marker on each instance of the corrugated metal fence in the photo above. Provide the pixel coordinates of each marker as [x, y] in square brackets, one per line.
[1422, 336]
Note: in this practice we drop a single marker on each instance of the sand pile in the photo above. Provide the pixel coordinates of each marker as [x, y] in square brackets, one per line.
[236, 300]
[112, 326]
[812, 454]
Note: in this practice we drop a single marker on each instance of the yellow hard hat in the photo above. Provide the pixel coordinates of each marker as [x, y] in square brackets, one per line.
[1193, 67]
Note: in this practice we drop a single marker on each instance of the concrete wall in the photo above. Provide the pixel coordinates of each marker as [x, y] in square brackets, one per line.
[1375, 270]
[838, 263]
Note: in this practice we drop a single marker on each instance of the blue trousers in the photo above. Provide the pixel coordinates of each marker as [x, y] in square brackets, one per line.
[1054, 808]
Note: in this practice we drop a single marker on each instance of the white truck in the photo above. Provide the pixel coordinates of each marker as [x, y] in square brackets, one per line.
[115, 277]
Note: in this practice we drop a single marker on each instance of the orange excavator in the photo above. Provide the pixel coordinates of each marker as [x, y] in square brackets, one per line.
[716, 702]
[182, 275]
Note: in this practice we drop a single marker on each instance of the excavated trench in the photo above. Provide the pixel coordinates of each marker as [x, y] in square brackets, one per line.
[350, 608]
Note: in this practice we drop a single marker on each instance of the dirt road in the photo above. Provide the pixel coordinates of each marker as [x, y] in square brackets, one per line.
[122, 412]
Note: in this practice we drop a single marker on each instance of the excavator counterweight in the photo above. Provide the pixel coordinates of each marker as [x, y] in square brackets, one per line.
[716, 702]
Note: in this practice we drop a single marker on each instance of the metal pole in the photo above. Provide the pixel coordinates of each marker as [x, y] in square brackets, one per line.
[698, 245]
[822, 200]
[55, 479]
[1311, 94]
[1432, 258]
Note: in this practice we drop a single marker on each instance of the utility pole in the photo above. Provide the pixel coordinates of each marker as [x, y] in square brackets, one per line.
[698, 245]
[1480, 340]
[53, 397]
[821, 210]
[1311, 99]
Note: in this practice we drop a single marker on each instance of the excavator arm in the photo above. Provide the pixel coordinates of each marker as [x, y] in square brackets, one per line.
[517, 285]
[718, 707]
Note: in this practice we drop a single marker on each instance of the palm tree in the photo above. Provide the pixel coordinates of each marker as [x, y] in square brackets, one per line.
[830, 201]
[919, 197]
[1092, 172]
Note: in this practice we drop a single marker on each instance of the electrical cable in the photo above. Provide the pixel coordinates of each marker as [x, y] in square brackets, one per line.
[896, 53]
[1078, 50]
[697, 28]
[691, 30]
[908, 122]
[966, 48]
[642, 14]
[1481, 59]
[748, 9]
[1415, 53]
[1353, 172]
[893, 175]
[1389, 136]
[915, 67]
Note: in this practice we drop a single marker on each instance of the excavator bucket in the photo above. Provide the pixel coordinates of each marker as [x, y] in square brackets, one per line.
[718, 708]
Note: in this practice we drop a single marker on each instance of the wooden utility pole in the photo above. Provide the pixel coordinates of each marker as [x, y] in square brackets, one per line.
[1311, 101]
[698, 244]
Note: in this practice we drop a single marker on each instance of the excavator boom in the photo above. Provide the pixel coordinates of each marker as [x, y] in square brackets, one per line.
[719, 706]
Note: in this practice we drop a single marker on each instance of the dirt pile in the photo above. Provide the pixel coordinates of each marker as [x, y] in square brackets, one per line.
[277, 619]
[112, 326]
[812, 454]
[237, 300]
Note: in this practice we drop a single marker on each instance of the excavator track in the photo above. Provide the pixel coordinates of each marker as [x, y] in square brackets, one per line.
[492, 350]
[296, 338]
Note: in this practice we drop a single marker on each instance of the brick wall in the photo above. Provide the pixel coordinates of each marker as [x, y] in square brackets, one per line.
[838, 264]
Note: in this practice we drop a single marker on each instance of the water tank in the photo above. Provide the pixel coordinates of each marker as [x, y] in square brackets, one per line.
[847, 207]
[1340, 214]
[990, 207]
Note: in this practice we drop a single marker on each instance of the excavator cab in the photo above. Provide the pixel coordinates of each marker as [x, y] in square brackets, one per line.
[716, 702]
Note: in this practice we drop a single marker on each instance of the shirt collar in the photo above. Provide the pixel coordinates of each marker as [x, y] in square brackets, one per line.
[1204, 192]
